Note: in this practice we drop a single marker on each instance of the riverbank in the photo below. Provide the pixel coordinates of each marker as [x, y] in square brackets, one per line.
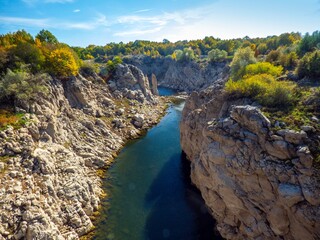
[50, 166]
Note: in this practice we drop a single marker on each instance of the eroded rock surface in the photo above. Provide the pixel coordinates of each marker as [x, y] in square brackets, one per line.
[49, 186]
[258, 183]
[182, 76]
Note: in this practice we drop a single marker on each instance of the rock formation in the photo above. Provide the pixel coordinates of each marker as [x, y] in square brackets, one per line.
[182, 76]
[259, 183]
[154, 84]
[49, 183]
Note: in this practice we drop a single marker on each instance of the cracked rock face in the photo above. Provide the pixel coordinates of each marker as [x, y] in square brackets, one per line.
[49, 186]
[257, 183]
[187, 76]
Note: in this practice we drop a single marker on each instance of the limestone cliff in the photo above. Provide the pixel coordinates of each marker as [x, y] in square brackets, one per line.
[49, 183]
[259, 183]
[182, 76]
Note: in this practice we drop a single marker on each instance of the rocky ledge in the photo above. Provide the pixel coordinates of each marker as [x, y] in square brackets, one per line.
[49, 169]
[258, 183]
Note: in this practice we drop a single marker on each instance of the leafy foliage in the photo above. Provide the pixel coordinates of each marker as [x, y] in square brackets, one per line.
[242, 58]
[22, 85]
[46, 36]
[309, 65]
[184, 56]
[62, 62]
[309, 43]
[263, 68]
[217, 55]
[264, 88]
[111, 65]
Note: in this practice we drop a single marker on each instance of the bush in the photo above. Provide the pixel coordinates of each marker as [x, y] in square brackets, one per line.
[263, 67]
[112, 64]
[264, 88]
[309, 65]
[62, 62]
[217, 55]
[88, 68]
[242, 58]
[184, 56]
[22, 85]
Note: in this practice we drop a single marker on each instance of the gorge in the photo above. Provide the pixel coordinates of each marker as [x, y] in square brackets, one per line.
[103, 151]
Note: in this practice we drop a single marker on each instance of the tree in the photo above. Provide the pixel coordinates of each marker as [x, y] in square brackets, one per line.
[62, 63]
[216, 55]
[309, 65]
[46, 36]
[242, 58]
[30, 54]
[263, 68]
[184, 56]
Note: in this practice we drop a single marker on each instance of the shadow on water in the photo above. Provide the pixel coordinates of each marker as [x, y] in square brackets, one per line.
[178, 210]
[150, 195]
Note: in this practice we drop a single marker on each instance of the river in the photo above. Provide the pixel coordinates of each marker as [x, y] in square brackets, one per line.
[150, 195]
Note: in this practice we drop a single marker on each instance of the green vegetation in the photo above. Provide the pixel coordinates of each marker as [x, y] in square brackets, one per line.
[183, 56]
[22, 85]
[261, 68]
[43, 54]
[309, 65]
[217, 55]
[242, 58]
[263, 88]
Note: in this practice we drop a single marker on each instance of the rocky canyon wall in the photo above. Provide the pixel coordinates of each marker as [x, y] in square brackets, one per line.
[259, 183]
[50, 169]
[181, 76]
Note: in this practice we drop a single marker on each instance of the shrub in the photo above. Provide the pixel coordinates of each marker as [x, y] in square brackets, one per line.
[217, 55]
[183, 56]
[112, 64]
[264, 88]
[309, 65]
[88, 68]
[242, 58]
[22, 85]
[263, 67]
[62, 62]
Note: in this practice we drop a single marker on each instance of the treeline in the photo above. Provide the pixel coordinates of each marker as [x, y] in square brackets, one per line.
[199, 47]
[23, 57]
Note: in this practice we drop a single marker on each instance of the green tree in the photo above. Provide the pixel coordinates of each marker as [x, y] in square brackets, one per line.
[309, 65]
[242, 58]
[216, 55]
[46, 36]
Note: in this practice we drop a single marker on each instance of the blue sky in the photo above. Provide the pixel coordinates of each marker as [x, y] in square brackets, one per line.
[84, 22]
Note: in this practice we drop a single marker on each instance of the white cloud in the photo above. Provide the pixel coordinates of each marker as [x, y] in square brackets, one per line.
[158, 24]
[47, 23]
[76, 10]
[143, 10]
[25, 21]
[137, 32]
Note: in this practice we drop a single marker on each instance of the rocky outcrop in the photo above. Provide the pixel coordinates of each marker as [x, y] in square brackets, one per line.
[132, 82]
[182, 76]
[154, 84]
[259, 183]
[50, 187]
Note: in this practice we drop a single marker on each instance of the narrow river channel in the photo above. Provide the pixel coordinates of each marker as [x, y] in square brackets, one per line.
[150, 195]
